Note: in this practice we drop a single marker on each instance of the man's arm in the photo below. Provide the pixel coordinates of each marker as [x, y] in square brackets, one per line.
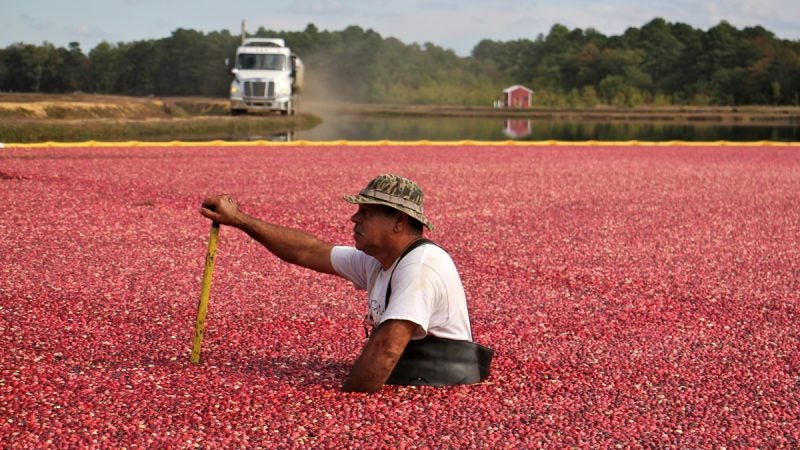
[290, 245]
[380, 355]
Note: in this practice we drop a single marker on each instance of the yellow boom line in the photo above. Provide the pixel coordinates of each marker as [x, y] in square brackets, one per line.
[302, 143]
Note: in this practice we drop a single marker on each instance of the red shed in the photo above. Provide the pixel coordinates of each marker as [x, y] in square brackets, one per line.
[518, 96]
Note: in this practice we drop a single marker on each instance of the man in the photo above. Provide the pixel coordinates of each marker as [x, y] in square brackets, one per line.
[427, 297]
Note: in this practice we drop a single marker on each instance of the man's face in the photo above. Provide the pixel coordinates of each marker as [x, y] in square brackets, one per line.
[372, 228]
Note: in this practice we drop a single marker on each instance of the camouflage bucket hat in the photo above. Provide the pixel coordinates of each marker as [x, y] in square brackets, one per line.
[396, 192]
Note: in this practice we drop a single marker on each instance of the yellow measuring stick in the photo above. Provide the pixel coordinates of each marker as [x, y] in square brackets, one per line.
[205, 292]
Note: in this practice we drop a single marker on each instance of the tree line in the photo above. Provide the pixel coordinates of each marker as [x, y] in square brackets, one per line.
[660, 63]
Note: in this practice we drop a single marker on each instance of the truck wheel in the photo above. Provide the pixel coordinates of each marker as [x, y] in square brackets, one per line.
[237, 112]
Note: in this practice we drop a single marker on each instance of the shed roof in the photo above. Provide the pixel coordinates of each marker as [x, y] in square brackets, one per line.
[517, 86]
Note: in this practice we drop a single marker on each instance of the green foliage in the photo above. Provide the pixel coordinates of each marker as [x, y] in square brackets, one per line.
[589, 97]
[660, 63]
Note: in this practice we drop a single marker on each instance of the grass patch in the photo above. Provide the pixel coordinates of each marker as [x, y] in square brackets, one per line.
[79, 117]
[202, 109]
[190, 129]
[16, 113]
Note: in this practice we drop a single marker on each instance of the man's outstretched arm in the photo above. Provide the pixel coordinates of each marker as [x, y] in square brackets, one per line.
[290, 245]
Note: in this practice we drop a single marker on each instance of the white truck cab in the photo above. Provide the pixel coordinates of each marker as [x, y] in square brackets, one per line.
[267, 77]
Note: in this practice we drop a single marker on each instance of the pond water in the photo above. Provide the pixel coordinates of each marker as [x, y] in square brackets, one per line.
[369, 128]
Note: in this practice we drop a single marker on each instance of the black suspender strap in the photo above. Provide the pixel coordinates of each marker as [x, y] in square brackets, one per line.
[412, 246]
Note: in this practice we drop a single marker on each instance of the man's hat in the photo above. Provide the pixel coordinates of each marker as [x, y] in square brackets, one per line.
[396, 192]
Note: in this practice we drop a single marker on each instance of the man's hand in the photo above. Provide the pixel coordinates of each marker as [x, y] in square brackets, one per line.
[223, 210]
[377, 360]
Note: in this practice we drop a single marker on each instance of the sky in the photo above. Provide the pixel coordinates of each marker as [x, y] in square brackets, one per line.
[454, 24]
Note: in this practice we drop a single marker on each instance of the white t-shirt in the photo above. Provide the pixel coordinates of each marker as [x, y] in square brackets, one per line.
[426, 290]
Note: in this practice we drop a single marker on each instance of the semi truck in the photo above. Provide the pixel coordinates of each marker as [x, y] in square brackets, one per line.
[267, 77]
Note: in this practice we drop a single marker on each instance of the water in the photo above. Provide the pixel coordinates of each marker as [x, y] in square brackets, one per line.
[371, 128]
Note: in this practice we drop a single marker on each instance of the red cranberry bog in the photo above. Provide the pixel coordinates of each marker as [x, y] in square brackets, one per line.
[636, 296]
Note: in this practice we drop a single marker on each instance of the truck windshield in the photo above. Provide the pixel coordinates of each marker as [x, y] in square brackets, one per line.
[257, 61]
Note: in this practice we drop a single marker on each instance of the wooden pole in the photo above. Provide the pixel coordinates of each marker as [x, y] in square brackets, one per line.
[205, 293]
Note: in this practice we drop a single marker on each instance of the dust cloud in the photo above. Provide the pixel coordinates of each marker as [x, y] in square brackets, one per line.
[322, 96]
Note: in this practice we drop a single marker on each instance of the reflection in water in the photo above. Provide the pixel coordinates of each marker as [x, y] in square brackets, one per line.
[287, 136]
[517, 128]
[644, 131]
[370, 128]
